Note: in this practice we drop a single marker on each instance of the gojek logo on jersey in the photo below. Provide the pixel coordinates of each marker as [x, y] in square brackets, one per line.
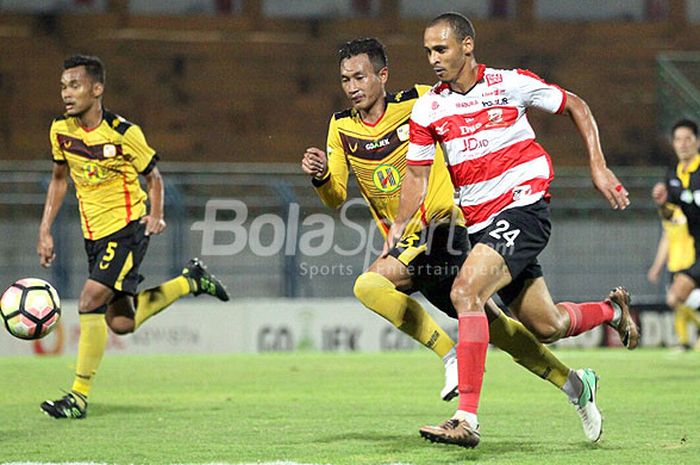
[386, 178]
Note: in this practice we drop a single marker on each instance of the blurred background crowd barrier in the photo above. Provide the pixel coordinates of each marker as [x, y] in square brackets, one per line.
[231, 92]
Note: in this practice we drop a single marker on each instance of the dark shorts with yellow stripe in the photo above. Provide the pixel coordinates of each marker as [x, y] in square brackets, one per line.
[114, 260]
[434, 257]
[693, 272]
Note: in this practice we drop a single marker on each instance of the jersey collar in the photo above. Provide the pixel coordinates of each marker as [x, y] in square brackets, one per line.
[480, 70]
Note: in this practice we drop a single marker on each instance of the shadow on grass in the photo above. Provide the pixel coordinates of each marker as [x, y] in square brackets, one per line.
[489, 447]
[103, 409]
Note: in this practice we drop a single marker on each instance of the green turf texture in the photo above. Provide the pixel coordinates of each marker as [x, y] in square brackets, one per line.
[322, 408]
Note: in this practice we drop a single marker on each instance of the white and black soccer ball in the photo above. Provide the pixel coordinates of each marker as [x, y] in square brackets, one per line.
[30, 308]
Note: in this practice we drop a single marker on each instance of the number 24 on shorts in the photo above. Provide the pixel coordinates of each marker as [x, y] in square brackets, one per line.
[503, 231]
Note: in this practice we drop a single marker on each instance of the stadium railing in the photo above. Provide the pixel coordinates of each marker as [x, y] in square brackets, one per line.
[267, 254]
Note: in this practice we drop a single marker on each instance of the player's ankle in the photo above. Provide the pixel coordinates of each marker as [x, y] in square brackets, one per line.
[617, 315]
[80, 398]
[449, 356]
[469, 417]
[573, 387]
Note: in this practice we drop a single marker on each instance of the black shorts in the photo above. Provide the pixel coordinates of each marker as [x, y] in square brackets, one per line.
[693, 272]
[114, 260]
[434, 257]
[518, 235]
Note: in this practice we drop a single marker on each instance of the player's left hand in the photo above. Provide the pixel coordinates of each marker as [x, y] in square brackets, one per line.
[153, 224]
[607, 183]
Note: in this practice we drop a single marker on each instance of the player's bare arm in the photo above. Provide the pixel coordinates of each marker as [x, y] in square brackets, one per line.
[660, 195]
[413, 189]
[54, 199]
[603, 178]
[660, 259]
[315, 163]
[155, 221]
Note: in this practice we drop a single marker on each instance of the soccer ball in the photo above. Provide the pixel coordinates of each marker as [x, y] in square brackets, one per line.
[30, 308]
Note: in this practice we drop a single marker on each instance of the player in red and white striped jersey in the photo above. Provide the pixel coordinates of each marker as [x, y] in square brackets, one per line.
[501, 176]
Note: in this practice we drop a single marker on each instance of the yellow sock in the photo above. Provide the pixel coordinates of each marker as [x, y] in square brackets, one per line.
[691, 315]
[680, 322]
[91, 347]
[379, 295]
[513, 338]
[152, 301]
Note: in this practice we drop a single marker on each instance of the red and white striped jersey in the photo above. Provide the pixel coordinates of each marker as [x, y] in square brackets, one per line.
[489, 145]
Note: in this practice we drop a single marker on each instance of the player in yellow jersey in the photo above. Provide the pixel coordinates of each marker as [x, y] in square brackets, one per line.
[676, 251]
[371, 138]
[681, 191]
[105, 155]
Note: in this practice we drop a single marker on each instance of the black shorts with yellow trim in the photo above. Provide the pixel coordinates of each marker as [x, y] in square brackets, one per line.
[434, 257]
[114, 260]
[693, 271]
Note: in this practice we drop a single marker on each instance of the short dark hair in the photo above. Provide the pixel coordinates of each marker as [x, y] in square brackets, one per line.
[459, 24]
[686, 123]
[93, 66]
[372, 47]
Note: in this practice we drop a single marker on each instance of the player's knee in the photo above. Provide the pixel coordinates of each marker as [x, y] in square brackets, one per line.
[89, 303]
[548, 331]
[373, 290]
[120, 325]
[463, 298]
[672, 300]
[362, 287]
[369, 286]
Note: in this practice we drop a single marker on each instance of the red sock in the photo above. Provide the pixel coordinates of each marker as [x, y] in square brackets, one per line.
[471, 358]
[587, 315]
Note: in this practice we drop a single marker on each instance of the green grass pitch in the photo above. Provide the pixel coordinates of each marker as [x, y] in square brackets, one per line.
[319, 408]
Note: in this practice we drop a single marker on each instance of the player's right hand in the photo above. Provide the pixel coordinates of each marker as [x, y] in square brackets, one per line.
[659, 193]
[392, 238]
[315, 162]
[45, 250]
[653, 274]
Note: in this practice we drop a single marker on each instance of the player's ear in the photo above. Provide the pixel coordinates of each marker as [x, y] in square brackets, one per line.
[384, 74]
[98, 89]
[468, 45]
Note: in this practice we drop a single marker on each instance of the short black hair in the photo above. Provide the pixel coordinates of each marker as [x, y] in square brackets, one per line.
[93, 66]
[459, 24]
[372, 47]
[686, 123]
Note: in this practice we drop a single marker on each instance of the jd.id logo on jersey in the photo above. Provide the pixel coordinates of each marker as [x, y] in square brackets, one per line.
[386, 178]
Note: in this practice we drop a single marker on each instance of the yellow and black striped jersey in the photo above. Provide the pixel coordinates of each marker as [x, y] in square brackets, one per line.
[376, 153]
[104, 163]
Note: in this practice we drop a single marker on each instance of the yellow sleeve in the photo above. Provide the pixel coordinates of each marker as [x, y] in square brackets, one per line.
[56, 152]
[142, 155]
[422, 89]
[333, 188]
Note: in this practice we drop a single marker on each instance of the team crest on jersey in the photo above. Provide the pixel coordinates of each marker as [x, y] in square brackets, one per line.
[403, 133]
[93, 173]
[387, 178]
[495, 115]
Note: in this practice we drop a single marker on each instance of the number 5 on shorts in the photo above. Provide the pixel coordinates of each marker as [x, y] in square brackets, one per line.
[501, 231]
[108, 256]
